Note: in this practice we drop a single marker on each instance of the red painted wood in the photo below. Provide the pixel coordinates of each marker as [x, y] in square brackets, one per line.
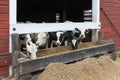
[4, 9]
[111, 1]
[106, 4]
[106, 30]
[5, 60]
[112, 34]
[110, 20]
[4, 24]
[106, 25]
[4, 40]
[5, 54]
[4, 2]
[4, 71]
[4, 48]
[4, 32]
[4, 17]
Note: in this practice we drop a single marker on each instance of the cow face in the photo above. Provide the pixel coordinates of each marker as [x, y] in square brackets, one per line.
[41, 38]
[59, 38]
[31, 47]
[81, 34]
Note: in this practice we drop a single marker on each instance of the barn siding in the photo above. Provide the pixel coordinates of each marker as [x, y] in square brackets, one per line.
[110, 20]
[5, 58]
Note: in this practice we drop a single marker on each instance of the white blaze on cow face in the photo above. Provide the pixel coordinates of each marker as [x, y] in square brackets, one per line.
[84, 32]
[74, 41]
[42, 38]
[59, 38]
[82, 35]
[28, 38]
[31, 47]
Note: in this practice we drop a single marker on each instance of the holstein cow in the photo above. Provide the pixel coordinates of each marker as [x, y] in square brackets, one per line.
[40, 39]
[79, 35]
[55, 39]
[31, 47]
[32, 42]
[74, 37]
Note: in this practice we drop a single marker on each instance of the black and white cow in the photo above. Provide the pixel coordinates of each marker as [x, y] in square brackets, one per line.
[32, 42]
[74, 37]
[55, 39]
[40, 39]
[31, 47]
[79, 35]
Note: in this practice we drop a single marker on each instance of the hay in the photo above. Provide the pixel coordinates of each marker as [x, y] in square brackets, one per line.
[89, 69]
[62, 49]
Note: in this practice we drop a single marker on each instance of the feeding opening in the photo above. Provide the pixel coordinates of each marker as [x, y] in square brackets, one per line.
[52, 11]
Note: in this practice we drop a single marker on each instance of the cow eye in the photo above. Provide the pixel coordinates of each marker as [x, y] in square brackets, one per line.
[61, 34]
[28, 43]
[87, 31]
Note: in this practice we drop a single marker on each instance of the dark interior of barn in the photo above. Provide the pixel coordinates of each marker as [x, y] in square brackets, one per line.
[51, 11]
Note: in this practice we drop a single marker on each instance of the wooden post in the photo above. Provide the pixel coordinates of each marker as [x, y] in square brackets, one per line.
[100, 35]
[94, 35]
[15, 51]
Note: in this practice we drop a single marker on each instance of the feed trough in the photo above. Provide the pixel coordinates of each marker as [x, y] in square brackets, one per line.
[64, 54]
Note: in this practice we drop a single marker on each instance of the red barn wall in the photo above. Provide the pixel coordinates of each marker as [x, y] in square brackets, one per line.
[110, 20]
[5, 58]
[109, 16]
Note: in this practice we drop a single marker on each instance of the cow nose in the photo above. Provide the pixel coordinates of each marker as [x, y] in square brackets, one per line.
[58, 43]
[37, 44]
[82, 36]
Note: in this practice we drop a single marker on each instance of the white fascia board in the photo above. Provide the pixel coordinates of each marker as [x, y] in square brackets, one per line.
[95, 10]
[49, 27]
[12, 11]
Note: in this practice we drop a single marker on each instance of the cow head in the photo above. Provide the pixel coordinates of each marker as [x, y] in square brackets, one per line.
[81, 33]
[41, 38]
[59, 36]
[31, 47]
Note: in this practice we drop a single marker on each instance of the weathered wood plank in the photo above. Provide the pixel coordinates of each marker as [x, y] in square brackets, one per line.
[67, 57]
[25, 77]
[15, 50]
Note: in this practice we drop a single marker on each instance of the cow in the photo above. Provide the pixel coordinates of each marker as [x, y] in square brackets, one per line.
[74, 37]
[31, 47]
[55, 39]
[40, 39]
[32, 42]
[79, 35]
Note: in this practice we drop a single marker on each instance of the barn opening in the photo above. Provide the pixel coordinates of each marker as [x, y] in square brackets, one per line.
[52, 11]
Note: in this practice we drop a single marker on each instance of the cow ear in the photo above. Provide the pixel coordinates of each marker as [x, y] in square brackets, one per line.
[76, 29]
[87, 31]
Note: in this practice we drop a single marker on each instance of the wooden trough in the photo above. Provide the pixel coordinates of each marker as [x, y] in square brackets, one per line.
[63, 54]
